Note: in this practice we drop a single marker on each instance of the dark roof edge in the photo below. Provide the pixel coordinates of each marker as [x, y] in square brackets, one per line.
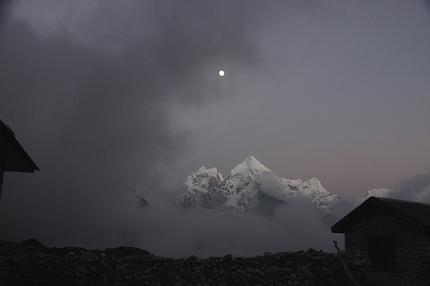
[10, 137]
[339, 227]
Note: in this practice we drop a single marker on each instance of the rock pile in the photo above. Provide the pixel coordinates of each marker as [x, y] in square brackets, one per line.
[31, 263]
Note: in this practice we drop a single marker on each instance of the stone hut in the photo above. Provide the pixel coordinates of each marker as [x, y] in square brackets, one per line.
[394, 235]
[13, 157]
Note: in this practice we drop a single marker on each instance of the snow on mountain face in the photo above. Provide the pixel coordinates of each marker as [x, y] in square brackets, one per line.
[379, 193]
[203, 180]
[420, 194]
[201, 189]
[249, 167]
[415, 188]
[242, 190]
[313, 189]
[242, 177]
[322, 199]
[291, 189]
[253, 187]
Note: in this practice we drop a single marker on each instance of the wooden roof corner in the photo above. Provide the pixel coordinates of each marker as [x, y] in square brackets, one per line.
[13, 157]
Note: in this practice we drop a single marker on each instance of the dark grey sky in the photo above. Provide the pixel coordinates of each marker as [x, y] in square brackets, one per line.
[110, 96]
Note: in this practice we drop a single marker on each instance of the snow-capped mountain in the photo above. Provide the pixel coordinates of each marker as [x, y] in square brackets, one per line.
[403, 191]
[251, 186]
[208, 189]
[241, 188]
[379, 193]
[202, 189]
[320, 198]
[415, 188]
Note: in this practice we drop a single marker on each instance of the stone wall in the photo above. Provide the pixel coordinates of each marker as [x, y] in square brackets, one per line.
[412, 247]
[30, 263]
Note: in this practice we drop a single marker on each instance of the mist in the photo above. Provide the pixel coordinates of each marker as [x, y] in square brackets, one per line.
[169, 231]
[271, 185]
[210, 233]
[115, 98]
[415, 188]
[87, 89]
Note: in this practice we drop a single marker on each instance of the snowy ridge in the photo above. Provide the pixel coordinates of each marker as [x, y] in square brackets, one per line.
[240, 186]
[202, 180]
[251, 186]
[420, 193]
[250, 167]
[379, 193]
[201, 189]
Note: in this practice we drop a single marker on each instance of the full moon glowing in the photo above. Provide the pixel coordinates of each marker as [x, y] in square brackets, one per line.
[221, 73]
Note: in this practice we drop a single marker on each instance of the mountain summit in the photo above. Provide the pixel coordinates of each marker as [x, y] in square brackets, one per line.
[252, 187]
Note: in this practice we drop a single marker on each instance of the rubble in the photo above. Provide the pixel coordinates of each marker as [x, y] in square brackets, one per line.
[31, 263]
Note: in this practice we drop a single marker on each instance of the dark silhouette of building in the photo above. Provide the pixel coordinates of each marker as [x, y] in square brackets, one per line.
[394, 235]
[13, 157]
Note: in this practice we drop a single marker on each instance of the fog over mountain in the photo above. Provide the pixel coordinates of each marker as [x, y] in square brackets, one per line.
[118, 102]
[416, 188]
[291, 206]
[252, 187]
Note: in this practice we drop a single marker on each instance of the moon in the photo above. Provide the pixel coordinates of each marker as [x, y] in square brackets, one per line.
[221, 73]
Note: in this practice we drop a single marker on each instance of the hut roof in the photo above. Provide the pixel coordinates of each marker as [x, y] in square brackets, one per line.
[417, 214]
[13, 157]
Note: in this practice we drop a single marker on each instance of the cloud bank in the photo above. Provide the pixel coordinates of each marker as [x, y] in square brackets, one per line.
[87, 87]
[415, 188]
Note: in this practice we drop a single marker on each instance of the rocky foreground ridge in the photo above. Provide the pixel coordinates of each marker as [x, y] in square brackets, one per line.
[31, 263]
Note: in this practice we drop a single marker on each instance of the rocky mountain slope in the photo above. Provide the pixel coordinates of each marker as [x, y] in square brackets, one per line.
[252, 187]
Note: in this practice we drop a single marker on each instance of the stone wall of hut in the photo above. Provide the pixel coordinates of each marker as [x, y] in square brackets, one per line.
[412, 247]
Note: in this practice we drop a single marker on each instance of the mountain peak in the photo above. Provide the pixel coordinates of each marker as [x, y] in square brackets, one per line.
[212, 172]
[251, 186]
[250, 164]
